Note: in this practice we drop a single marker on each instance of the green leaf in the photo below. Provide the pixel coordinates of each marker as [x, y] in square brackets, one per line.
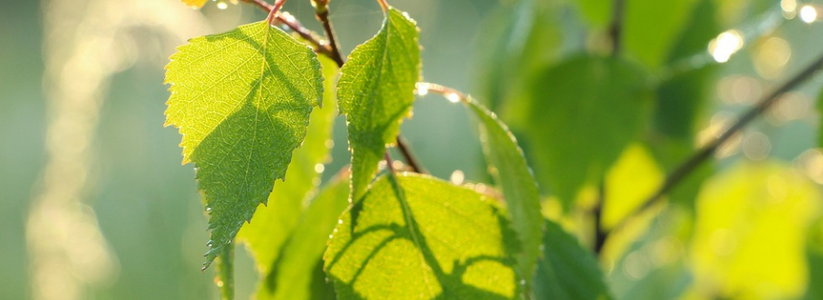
[751, 232]
[422, 238]
[293, 275]
[682, 97]
[567, 270]
[583, 114]
[273, 223]
[820, 127]
[241, 100]
[516, 40]
[596, 12]
[519, 186]
[376, 90]
[651, 28]
[814, 259]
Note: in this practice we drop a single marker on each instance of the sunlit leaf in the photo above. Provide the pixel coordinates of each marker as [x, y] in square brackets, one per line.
[195, 3]
[293, 275]
[273, 222]
[422, 238]
[629, 183]
[242, 101]
[750, 232]
[596, 12]
[376, 90]
[584, 111]
[567, 270]
[519, 186]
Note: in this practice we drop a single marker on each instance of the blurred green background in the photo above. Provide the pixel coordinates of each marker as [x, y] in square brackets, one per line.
[94, 201]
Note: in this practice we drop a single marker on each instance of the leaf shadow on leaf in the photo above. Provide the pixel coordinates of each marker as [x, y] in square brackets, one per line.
[452, 284]
[234, 142]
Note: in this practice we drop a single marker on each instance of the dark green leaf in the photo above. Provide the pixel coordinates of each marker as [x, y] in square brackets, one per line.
[422, 238]
[583, 113]
[567, 270]
[376, 90]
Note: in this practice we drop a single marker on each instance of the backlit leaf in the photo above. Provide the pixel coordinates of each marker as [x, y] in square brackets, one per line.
[273, 222]
[241, 100]
[422, 238]
[567, 270]
[519, 186]
[293, 276]
[750, 232]
[583, 113]
[651, 28]
[376, 90]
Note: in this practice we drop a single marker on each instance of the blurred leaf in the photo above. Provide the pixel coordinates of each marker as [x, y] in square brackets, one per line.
[195, 3]
[682, 97]
[293, 276]
[423, 238]
[584, 111]
[651, 28]
[596, 12]
[516, 40]
[376, 90]
[820, 110]
[519, 186]
[629, 183]
[241, 100]
[814, 257]
[567, 270]
[750, 232]
[273, 222]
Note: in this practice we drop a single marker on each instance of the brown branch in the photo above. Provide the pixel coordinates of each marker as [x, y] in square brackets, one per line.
[289, 20]
[684, 169]
[616, 27]
[323, 17]
[411, 160]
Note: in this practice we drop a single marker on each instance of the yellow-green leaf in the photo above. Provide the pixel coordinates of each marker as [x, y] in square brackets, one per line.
[376, 90]
[422, 238]
[241, 100]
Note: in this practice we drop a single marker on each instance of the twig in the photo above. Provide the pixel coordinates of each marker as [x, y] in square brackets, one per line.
[616, 27]
[411, 160]
[323, 17]
[389, 165]
[706, 151]
[616, 34]
[289, 20]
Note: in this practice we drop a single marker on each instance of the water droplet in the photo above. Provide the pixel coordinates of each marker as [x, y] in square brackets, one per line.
[331, 236]
[329, 143]
[210, 244]
[522, 282]
[453, 97]
[208, 209]
[457, 177]
[422, 88]
[319, 168]
[222, 5]
[340, 221]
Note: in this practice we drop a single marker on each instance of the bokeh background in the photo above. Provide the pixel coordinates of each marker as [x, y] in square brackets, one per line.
[94, 203]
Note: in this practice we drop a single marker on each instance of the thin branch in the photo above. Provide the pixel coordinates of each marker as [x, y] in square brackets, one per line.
[411, 160]
[289, 20]
[389, 165]
[616, 27]
[682, 171]
[323, 17]
[600, 234]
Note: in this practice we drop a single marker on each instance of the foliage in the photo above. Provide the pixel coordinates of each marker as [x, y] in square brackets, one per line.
[600, 131]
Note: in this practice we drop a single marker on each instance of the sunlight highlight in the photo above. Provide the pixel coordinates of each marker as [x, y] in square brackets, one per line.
[724, 45]
[808, 14]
